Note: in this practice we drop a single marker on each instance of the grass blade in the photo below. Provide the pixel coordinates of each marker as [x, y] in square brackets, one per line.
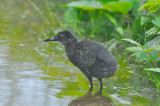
[133, 42]
[153, 69]
[39, 11]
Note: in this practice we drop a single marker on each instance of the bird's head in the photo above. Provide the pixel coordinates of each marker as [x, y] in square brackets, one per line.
[64, 37]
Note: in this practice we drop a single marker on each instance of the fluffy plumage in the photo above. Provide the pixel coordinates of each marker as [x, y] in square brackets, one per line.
[93, 59]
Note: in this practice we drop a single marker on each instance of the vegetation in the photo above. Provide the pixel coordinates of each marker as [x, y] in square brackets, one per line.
[116, 22]
[129, 28]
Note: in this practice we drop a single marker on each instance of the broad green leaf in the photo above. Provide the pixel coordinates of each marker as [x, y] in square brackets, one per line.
[152, 6]
[145, 6]
[113, 45]
[158, 57]
[157, 47]
[153, 69]
[145, 19]
[105, 1]
[133, 42]
[122, 7]
[112, 19]
[156, 21]
[154, 55]
[86, 5]
[141, 56]
[119, 29]
[150, 50]
[152, 43]
[134, 49]
[158, 33]
[152, 31]
[70, 15]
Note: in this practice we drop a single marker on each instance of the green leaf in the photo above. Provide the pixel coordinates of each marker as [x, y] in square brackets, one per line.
[134, 49]
[153, 69]
[152, 6]
[122, 7]
[145, 19]
[119, 29]
[152, 31]
[112, 46]
[70, 15]
[157, 47]
[158, 33]
[142, 56]
[133, 42]
[145, 6]
[156, 21]
[86, 5]
[112, 19]
[154, 55]
[150, 50]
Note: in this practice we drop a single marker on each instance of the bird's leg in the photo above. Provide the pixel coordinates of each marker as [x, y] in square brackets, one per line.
[101, 85]
[91, 84]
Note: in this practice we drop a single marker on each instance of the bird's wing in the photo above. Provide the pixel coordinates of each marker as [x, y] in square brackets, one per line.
[91, 52]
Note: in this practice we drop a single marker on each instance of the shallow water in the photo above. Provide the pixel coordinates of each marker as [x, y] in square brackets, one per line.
[33, 73]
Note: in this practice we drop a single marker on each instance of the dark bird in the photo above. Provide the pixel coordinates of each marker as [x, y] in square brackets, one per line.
[93, 59]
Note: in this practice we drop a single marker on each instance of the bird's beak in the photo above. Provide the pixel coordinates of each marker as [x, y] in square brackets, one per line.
[50, 39]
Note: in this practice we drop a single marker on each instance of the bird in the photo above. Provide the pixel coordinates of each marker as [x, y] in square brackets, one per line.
[91, 57]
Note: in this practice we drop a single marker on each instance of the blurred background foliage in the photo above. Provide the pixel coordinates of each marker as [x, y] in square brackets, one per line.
[110, 21]
[131, 26]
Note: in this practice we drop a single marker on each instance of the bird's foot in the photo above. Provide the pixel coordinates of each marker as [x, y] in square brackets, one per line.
[90, 90]
[99, 92]
[89, 93]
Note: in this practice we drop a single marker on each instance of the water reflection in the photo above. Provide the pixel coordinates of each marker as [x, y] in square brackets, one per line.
[20, 83]
[92, 100]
